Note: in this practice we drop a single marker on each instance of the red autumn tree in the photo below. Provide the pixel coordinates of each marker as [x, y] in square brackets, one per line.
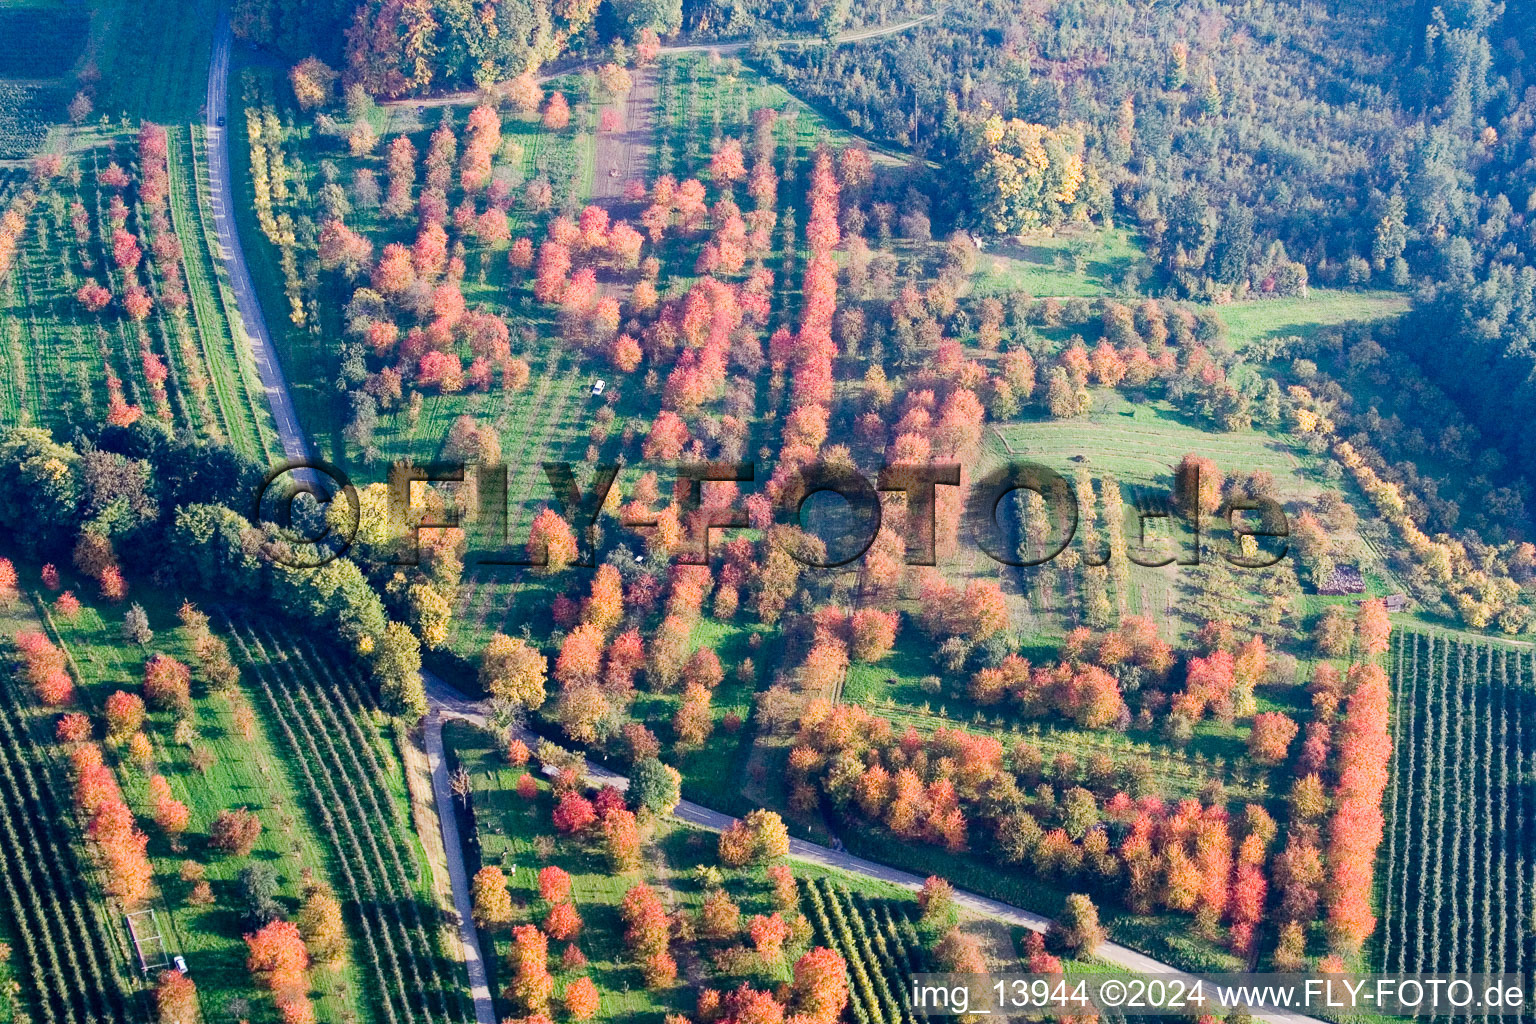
[562, 922]
[235, 832]
[768, 933]
[1364, 749]
[280, 961]
[175, 999]
[726, 166]
[820, 988]
[125, 714]
[169, 813]
[122, 845]
[168, 684]
[93, 297]
[557, 112]
[554, 885]
[73, 727]
[573, 814]
[1372, 627]
[552, 541]
[45, 669]
[872, 633]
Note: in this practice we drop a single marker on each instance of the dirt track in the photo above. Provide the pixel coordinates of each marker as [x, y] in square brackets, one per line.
[625, 154]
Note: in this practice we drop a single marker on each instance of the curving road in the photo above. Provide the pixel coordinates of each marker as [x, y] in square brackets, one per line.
[446, 702]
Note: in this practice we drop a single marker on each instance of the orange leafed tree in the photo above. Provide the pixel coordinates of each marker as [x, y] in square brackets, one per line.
[581, 999]
[168, 684]
[1271, 737]
[562, 922]
[1363, 752]
[768, 933]
[531, 985]
[280, 961]
[551, 541]
[554, 885]
[1372, 627]
[125, 713]
[175, 999]
[170, 814]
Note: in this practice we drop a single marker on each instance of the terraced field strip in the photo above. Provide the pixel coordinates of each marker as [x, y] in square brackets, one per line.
[33, 381]
[527, 488]
[526, 430]
[245, 419]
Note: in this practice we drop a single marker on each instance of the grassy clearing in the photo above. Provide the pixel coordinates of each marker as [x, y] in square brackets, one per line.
[1070, 263]
[43, 41]
[1143, 442]
[1256, 319]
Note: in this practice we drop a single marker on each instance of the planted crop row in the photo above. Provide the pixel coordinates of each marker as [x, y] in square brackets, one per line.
[341, 693]
[377, 939]
[347, 783]
[1459, 869]
[880, 956]
[223, 355]
[64, 947]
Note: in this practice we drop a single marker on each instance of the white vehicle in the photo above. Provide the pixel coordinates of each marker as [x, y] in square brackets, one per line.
[597, 387]
[181, 964]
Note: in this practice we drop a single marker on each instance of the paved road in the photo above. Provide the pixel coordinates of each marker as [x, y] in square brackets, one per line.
[250, 319]
[458, 874]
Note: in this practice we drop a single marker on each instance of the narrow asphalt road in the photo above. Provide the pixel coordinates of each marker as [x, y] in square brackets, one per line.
[249, 319]
[446, 702]
[458, 874]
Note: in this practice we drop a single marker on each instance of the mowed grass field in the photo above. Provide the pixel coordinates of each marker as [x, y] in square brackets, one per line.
[244, 773]
[1143, 443]
[1256, 319]
[154, 57]
[1071, 263]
